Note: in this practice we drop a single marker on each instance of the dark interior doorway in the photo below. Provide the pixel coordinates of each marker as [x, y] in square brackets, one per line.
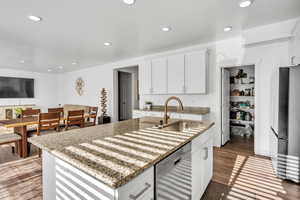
[125, 95]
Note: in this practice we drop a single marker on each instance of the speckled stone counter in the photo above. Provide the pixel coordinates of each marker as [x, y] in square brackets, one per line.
[116, 153]
[174, 109]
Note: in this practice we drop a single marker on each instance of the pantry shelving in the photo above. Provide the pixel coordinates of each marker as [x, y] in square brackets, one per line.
[242, 100]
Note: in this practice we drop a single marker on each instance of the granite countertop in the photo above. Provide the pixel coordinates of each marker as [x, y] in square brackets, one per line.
[116, 153]
[174, 109]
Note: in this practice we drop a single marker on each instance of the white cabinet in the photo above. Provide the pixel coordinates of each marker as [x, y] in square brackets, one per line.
[197, 175]
[173, 115]
[195, 72]
[140, 188]
[61, 179]
[176, 74]
[137, 114]
[202, 163]
[159, 76]
[145, 78]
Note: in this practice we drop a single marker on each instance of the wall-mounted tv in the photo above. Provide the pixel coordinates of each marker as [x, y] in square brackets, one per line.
[11, 87]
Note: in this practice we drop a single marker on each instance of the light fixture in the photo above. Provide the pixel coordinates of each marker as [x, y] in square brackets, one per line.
[245, 3]
[107, 44]
[60, 67]
[228, 28]
[22, 61]
[34, 18]
[49, 70]
[166, 29]
[74, 63]
[129, 2]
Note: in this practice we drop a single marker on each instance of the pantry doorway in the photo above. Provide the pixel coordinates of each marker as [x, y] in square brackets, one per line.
[238, 104]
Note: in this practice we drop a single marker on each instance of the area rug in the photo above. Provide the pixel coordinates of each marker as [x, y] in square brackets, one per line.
[21, 179]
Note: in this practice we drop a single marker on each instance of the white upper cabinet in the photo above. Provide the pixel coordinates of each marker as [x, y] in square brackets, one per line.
[159, 76]
[176, 74]
[195, 72]
[145, 78]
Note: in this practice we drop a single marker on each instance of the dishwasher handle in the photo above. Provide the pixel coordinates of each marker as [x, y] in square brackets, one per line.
[177, 161]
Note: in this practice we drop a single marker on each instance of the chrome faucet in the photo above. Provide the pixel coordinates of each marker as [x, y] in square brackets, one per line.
[166, 117]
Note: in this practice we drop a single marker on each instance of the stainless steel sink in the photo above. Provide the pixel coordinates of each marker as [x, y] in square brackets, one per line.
[180, 126]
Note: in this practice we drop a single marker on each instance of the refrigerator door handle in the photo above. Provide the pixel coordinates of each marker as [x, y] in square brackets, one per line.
[276, 135]
[274, 132]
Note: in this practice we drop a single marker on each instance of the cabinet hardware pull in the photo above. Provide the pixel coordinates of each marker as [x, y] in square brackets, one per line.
[135, 197]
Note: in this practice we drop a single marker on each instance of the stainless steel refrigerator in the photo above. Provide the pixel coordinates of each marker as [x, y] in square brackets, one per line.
[286, 129]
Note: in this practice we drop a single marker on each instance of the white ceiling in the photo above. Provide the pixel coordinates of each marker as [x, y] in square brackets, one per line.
[75, 30]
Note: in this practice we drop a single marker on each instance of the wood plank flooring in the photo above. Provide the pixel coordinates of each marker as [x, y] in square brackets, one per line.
[238, 175]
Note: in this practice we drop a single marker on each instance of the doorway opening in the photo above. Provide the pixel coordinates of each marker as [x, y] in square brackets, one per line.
[238, 107]
[127, 92]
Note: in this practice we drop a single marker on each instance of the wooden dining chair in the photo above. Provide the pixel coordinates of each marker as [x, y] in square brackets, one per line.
[75, 118]
[61, 112]
[93, 112]
[30, 112]
[10, 138]
[48, 123]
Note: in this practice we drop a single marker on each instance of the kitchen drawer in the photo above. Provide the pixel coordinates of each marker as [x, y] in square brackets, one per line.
[200, 140]
[140, 188]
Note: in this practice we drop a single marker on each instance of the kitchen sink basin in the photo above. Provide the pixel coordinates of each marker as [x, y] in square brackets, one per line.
[180, 126]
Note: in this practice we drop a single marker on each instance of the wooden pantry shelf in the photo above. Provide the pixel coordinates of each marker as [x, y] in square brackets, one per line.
[242, 121]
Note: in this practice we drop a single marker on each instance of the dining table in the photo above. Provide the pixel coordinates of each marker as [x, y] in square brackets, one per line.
[20, 127]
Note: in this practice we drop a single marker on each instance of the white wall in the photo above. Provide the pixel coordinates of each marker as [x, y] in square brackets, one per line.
[95, 79]
[46, 89]
[267, 56]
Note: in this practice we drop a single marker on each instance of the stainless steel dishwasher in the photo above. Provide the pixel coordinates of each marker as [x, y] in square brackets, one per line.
[173, 176]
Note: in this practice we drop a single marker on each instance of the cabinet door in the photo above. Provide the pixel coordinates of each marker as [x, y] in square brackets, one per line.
[197, 175]
[208, 163]
[145, 78]
[159, 76]
[195, 72]
[176, 74]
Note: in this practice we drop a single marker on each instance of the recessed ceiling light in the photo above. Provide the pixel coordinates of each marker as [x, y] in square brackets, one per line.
[228, 28]
[129, 2]
[34, 18]
[60, 67]
[49, 70]
[166, 29]
[22, 61]
[74, 63]
[107, 44]
[245, 3]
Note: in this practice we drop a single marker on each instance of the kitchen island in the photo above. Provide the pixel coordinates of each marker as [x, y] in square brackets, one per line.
[117, 161]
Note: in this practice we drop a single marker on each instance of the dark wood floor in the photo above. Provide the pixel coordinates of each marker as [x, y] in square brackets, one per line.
[238, 175]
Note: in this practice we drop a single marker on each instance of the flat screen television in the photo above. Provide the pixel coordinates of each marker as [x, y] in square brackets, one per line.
[11, 87]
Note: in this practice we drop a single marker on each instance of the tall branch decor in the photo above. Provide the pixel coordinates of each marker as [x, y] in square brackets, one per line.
[103, 100]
